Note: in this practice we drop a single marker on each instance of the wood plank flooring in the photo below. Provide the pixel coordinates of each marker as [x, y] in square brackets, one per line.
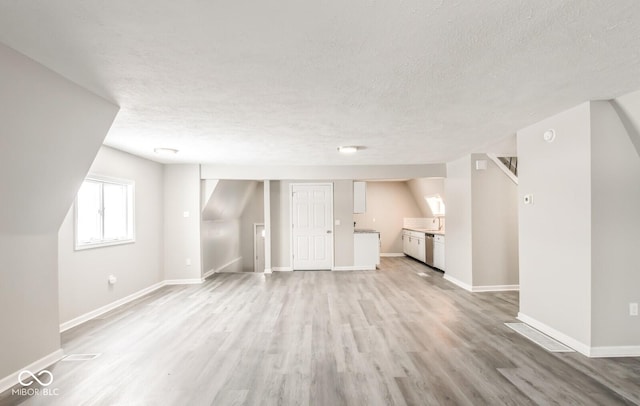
[389, 337]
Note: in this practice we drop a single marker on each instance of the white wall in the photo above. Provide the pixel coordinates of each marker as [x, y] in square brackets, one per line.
[388, 203]
[253, 213]
[182, 234]
[458, 253]
[422, 187]
[221, 246]
[51, 129]
[555, 231]
[494, 213]
[222, 224]
[83, 274]
[343, 211]
[280, 235]
[615, 229]
[280, 222]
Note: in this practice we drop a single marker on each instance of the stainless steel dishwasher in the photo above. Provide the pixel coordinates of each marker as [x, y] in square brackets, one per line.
[428, 246]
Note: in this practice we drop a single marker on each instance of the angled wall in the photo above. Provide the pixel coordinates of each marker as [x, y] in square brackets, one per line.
[481, 241]
[494, 212]
[615, 236]
[83, 274]
[555, 231]
[50, 132]
[584, 218]
[422, 187]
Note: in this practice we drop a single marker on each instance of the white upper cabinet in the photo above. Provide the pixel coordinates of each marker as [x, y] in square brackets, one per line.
[359, 197]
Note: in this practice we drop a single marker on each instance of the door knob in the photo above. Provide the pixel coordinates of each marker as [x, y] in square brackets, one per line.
[328, 231]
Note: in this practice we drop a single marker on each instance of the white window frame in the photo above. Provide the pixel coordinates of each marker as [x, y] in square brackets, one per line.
[131, 232]
[436, 204]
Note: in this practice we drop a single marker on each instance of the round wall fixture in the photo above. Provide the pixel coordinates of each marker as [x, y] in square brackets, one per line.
[348, 149]
[549, 135]
[165, 151]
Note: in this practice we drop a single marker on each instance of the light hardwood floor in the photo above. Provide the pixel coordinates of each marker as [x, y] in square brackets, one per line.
[389, 337]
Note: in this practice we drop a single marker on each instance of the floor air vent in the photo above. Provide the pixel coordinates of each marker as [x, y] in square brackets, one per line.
[80, 357]
[537, 337]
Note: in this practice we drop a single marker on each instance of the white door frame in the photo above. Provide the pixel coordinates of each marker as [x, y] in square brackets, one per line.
[255, 260]
[332, 220]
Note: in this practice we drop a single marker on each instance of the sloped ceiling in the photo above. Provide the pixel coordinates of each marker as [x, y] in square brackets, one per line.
[50, 132]
[287, 82]
[228, 200]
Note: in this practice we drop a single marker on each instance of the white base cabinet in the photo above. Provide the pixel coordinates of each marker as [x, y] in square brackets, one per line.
[366, 250]
[438, 252]
[413, 244]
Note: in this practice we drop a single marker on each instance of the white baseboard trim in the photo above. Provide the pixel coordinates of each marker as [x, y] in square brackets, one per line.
[457, 282]
[108, 307]
[209, 273]
[282, 269]
[9, 381]
[495, 288]
[194, 281]
[392, 254]
[618, 351]
[582, 348]
[220, 268]
[354, 268]
[268, 270]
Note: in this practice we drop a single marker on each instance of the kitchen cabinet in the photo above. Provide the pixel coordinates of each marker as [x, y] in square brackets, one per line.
[413, 244]
[438, 252]
[359, 197]
[366, 249]
[425, 246]
[406, 242]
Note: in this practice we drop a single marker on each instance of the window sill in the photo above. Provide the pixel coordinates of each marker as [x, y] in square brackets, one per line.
[103, 244]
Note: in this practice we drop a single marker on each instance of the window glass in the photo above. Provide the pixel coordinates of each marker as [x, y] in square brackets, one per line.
[436, 204]
[104, 212]
[115, 211]
[88, 208]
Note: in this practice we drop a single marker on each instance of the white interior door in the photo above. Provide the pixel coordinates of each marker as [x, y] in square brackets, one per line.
[312, 226]
[258, 247]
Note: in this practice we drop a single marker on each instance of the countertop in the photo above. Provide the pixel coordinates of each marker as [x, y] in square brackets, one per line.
[423, 230]
[364, 230]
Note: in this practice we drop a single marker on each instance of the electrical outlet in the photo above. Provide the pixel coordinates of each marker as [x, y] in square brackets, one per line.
[187, 262]
[633, 309]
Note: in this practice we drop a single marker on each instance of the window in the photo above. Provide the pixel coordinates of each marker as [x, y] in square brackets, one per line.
[436, 205]
[104, 212]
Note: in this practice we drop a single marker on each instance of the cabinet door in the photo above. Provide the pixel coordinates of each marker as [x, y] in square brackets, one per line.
[421, 253]
[406, 243]
[359, 197]
[438, 255]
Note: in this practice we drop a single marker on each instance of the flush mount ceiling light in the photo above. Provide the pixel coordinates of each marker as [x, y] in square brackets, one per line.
[165, 151]
[549, 135]
[350, 149]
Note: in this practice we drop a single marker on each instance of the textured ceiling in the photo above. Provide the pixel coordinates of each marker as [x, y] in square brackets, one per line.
[288, 81]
